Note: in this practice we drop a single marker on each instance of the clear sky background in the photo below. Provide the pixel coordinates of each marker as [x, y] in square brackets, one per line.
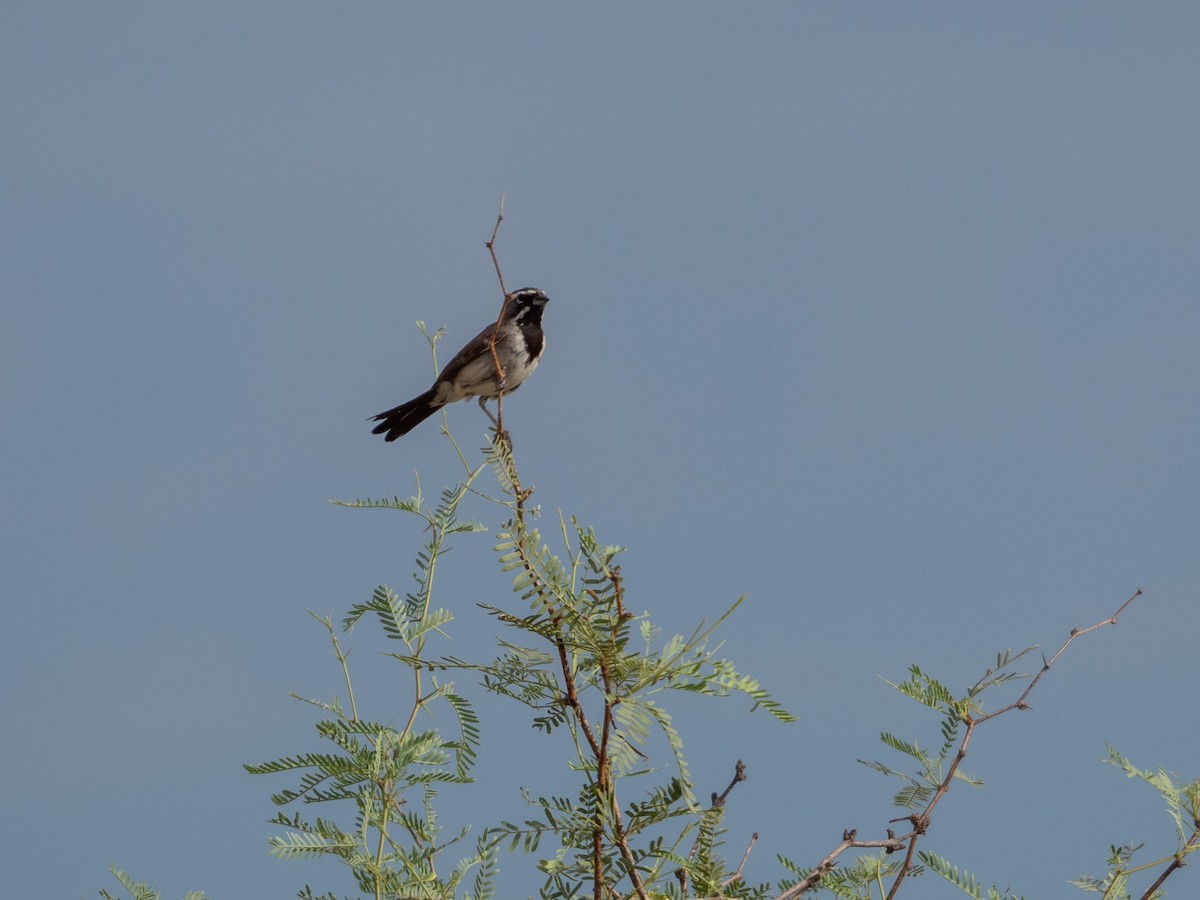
[883, 314]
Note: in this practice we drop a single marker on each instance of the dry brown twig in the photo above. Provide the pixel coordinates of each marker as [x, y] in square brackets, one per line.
[737, 876]
[681, 874]
[739, 774]
[498, 420]
[826, 865]
[1046, 664]
[718, 801]
[502, 436]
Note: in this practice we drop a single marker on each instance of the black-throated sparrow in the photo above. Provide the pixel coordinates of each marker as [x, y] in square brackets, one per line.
[472, 371]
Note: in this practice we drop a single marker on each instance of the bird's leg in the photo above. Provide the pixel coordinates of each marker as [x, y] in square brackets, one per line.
[483, 406]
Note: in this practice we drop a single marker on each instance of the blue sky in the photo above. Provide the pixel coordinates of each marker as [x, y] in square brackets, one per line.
[884, 315]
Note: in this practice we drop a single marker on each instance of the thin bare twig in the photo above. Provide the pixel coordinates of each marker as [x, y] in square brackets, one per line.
[737, 876]
[1075, 632]
[920, 821]
[849, 841]
[718, 801]
[491, 245]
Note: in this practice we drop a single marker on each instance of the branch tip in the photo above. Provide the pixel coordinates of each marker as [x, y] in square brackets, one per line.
[739, 774]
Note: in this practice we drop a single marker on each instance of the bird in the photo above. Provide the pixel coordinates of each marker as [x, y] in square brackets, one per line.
[472, 372]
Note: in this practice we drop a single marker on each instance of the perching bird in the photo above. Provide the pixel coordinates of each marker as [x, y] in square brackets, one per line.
[472, 371]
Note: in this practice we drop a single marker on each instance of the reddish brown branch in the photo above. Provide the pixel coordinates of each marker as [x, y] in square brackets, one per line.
[1177, 863]
[597, 863]
[605, 785]
[614, 574]
[491, 245]
[920, 824]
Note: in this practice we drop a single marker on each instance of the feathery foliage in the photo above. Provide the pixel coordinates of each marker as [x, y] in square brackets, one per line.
[599, 679]
[385, 774]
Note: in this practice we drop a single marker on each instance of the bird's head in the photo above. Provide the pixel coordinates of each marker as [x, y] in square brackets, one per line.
[525, 305]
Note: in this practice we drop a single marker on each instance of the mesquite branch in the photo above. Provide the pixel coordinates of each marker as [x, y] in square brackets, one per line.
[491, 245]
[739, 774]
[849, 841]
[598, 744]
[920, 822]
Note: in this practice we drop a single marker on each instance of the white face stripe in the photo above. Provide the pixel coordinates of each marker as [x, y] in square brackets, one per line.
[533, 295]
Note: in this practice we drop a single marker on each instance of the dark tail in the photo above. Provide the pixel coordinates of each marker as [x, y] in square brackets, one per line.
[405, 417]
